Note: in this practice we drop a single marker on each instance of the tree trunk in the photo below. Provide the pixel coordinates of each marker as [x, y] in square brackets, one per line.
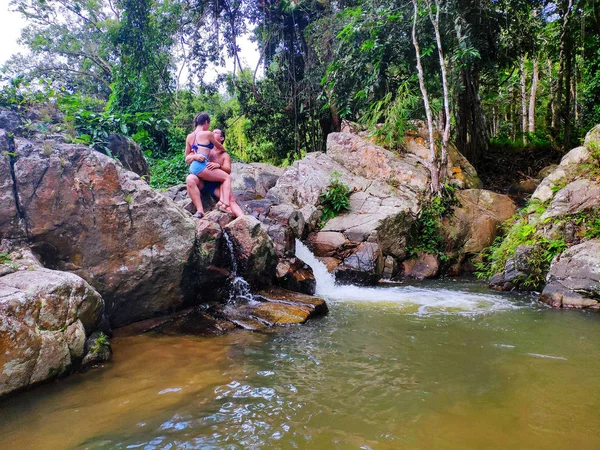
[432, 163]
[435, 21]
[563, 57]
[523, 101]
[552, 88]
[532, 97]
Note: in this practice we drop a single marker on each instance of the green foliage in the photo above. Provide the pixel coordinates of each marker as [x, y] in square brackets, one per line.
[168, 172]
[522, 230]
[93, 126]
[425, 234]
[389, 116]
[5, 258]
[335, 199]
[100, 344]
[593, 229]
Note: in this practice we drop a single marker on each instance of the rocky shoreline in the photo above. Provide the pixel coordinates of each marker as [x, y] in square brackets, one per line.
[88, 247]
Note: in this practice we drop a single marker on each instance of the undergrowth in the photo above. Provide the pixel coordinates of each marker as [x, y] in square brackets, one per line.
[335, 199]
[425, 234]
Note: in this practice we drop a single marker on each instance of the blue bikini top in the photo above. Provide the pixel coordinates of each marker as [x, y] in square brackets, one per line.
[195, 145]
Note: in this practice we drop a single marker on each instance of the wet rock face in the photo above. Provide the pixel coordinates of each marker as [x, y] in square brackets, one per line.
[294, 275]
[85, 214]
[277, 307]
[574, 279]
[45, 316]
[254, 251]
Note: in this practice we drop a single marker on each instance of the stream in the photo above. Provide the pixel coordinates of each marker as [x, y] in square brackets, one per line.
[446, 364]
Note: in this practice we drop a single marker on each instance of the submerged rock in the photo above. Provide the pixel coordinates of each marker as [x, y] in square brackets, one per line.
[278, 307]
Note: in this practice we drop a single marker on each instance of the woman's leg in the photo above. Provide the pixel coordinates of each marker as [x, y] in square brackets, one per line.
[194, 186]
[222, 177]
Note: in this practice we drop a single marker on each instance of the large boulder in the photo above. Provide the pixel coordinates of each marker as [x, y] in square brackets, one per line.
[302, 183]
[129, 153]
[85, 214]
[574, 278]
[9, 120]
[254, 178]
[11, 223]
[580, 195]
[46, 316]
[562, 174]
[253, 250]
[460, 170]
[475, 222]
[372, 162]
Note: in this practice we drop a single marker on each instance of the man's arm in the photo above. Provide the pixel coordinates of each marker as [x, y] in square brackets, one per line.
[226, 166]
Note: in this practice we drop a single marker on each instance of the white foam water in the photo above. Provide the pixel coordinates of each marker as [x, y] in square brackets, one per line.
[411, 299]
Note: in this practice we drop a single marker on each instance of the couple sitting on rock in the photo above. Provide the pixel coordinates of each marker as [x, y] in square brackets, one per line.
[210, 167]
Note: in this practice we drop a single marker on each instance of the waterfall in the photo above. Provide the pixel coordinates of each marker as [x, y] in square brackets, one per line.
[428, 298]
[239, 289]
[325, 280]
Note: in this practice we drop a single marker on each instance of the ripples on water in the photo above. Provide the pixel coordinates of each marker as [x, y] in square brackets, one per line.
[439, 365]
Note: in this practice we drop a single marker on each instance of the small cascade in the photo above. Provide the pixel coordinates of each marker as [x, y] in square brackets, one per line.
[325, 280]
[239, 290]
[420, 300]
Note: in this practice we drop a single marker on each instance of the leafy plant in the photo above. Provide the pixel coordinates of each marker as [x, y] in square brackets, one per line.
[335, 199]
[5, 258]
[389, 116]
[426, 233]
[100, 344]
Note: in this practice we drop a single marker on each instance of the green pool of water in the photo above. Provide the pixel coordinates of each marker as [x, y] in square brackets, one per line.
[442, 366]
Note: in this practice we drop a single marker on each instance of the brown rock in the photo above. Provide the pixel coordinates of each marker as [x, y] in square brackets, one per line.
[44, 316]
[370, 161]
[330, 262]
[326, 243]
[129, 153]
[87, 215]
[254, 251]
[295, 275]
[474, 224]
[425, 265]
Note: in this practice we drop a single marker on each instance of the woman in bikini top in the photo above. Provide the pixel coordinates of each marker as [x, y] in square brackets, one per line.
[198, 166]
[196, 155]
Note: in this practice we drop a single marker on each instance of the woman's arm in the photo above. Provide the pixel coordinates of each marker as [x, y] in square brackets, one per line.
[191, 156]
[217, 144]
